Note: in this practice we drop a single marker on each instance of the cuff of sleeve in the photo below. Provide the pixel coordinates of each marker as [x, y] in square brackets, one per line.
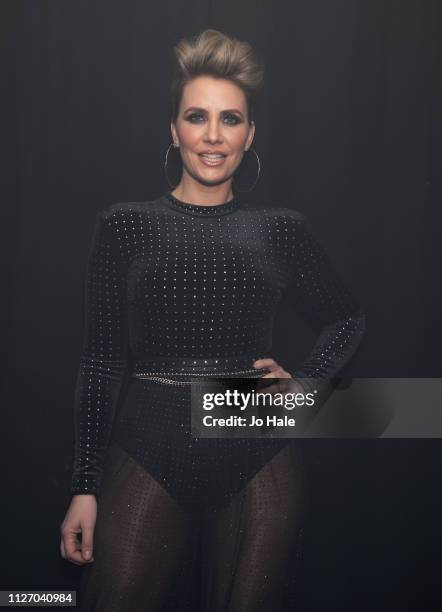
[86, 484]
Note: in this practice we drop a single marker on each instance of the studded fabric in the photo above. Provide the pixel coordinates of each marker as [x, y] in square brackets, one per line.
[177, 289]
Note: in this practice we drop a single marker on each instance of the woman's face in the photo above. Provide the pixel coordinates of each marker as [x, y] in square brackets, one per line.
[212, 119]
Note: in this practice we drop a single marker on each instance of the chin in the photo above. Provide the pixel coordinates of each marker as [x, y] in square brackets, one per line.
[205, 180]
[210, 178]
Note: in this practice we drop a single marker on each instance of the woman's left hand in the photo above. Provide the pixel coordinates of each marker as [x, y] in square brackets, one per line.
[277, 371]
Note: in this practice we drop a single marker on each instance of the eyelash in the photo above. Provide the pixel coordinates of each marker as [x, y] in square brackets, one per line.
[235, 122]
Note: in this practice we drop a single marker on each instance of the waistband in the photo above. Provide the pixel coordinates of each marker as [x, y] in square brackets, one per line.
[232, 366]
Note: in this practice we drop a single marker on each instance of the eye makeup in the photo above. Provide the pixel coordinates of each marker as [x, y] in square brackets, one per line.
[229, 117]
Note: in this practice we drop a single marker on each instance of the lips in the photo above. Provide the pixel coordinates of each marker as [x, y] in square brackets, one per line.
[212, 159]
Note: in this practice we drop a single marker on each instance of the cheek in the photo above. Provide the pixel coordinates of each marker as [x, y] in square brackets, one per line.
[237, 141]
[188, 136]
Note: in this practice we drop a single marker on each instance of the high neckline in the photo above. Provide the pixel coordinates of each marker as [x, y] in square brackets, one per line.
[212, 210]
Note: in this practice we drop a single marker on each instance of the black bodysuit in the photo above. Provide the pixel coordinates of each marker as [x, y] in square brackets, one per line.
[174, 290]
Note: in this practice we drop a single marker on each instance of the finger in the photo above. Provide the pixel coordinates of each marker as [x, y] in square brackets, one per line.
[265, 363]
[285, 374]
[273, 388]
[265, 383]
[62, 549]
[278, 373]
[87, 543]
[72, 548]
[280, 386]
[76, 558]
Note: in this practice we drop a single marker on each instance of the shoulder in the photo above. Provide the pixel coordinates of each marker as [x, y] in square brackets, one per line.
[121, 224]
[121, 217]
[116, 211]
[275, 212]
[277, 219]
[287, 213]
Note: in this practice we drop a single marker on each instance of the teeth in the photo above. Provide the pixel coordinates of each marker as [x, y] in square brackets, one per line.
[211, 156]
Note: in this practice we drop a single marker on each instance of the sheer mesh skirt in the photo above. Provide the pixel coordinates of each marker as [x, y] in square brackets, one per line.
[212, 526]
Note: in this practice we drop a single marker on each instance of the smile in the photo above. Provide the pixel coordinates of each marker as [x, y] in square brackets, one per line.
[211, 160]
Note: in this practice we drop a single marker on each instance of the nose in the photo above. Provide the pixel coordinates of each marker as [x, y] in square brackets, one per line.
[213, 133]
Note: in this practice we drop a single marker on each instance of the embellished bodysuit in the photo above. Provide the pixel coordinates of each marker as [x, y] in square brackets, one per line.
[175, 291]
[175, 288]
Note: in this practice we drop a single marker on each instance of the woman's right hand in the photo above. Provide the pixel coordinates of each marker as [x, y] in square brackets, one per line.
[80, 518]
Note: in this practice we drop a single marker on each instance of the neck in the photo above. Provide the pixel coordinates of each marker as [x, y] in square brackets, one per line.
[196, 193]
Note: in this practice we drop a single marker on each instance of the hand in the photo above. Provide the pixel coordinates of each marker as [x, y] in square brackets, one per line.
[80, 518]
[277, 371]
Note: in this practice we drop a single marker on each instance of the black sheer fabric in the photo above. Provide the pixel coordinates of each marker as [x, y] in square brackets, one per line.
[175, 289]
[152, 554]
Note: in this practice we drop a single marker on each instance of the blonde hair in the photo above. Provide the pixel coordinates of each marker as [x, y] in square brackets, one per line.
[216, 54]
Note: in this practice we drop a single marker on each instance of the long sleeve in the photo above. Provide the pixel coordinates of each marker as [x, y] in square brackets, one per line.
[104, 355]
[326, 303]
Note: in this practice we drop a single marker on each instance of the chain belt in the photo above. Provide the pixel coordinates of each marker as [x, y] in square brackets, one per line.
[174, 371]
[170, 381]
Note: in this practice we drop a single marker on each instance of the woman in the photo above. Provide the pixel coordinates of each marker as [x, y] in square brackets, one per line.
[179, 287]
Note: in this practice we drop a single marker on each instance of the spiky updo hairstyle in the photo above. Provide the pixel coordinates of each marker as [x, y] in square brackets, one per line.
[216, 54]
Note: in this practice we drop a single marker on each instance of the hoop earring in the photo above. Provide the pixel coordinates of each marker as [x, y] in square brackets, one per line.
[257, 176]
[165, 164]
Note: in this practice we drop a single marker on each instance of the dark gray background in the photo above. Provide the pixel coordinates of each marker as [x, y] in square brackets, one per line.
[348, 132]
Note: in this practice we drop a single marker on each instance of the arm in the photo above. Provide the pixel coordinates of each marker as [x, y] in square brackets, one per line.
[323, 300]
[103, 358]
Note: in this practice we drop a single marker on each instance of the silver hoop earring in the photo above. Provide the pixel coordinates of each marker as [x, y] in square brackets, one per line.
[257, 176]
[165, 164]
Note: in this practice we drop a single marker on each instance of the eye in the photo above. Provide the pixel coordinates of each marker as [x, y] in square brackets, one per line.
[229, 118]
[194, 116]
[232, 119]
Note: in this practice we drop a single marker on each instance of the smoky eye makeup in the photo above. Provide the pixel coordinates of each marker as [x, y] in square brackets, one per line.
[194, 117]
[228, 117]
[233, 118]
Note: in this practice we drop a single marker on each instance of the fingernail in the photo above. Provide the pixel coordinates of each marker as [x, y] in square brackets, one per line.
[87, 554]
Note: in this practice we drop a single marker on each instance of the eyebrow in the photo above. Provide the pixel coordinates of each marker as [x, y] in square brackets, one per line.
[203, 110]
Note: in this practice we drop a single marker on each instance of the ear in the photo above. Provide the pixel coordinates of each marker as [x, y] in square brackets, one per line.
[173, 132]
[251, 135]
